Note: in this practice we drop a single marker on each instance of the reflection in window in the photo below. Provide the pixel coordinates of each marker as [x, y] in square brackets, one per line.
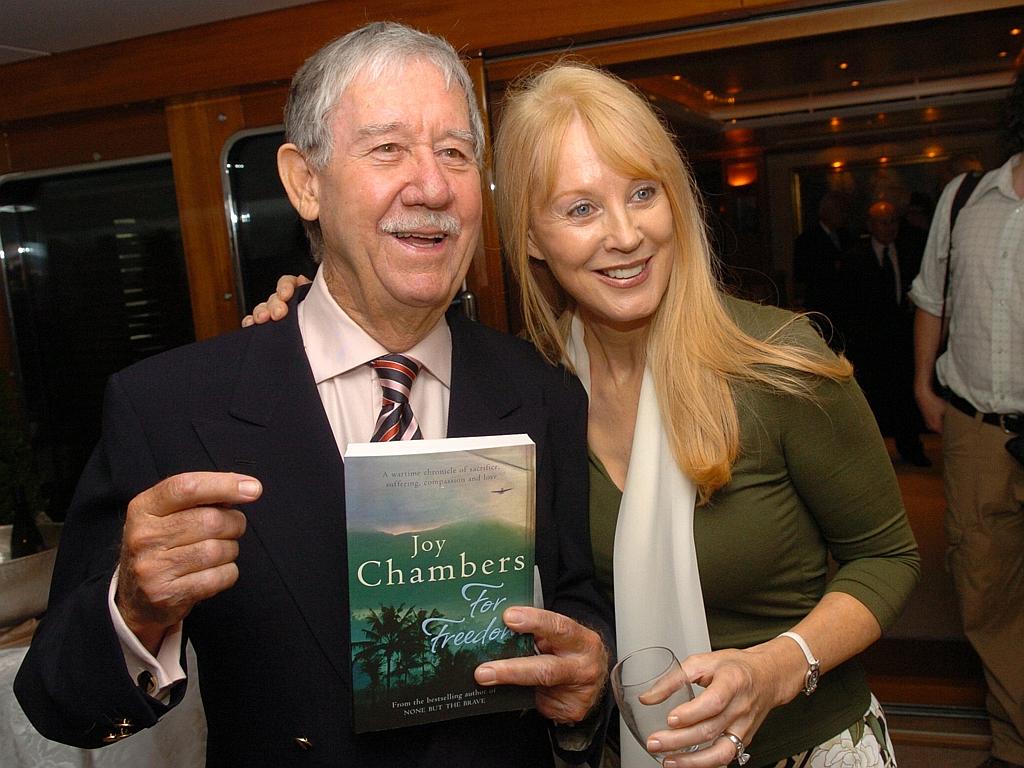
[267, 233]
[95, 278]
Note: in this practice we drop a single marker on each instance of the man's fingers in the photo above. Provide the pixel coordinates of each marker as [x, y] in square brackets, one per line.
[545, 671]
[196, 489]
[552, 632]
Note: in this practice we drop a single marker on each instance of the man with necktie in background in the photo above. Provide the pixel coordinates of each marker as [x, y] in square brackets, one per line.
[878, 322]
[213, 508]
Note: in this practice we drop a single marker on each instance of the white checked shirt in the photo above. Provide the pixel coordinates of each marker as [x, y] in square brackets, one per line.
[984, 359]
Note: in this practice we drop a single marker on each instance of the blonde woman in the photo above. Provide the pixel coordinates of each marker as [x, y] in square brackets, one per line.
[731, 451]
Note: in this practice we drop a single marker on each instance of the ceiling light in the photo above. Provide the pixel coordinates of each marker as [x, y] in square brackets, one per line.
[883, 159]
[1015, 31]
[837, 164]
[843, 65]
[677, 78]
[854, 83]
[835, 122]
[709, 95]
[1003, 54]
[740, 174]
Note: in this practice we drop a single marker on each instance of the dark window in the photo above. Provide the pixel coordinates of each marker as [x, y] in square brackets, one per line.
[269, 240]
[95, 278]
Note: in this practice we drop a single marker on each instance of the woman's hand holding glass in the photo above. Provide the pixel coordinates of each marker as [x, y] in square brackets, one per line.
[741, 687]
[648, 685]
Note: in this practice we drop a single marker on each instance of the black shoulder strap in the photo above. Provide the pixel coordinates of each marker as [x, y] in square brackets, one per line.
[963, 194]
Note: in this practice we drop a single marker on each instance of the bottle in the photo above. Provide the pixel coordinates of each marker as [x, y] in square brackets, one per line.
[25, 536]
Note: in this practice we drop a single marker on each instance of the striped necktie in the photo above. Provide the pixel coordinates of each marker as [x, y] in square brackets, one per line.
[396, 422]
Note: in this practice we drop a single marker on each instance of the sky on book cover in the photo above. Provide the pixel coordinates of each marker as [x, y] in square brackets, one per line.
[426, 490]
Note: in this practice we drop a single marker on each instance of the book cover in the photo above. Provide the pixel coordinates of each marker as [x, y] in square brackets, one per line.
[440, 543]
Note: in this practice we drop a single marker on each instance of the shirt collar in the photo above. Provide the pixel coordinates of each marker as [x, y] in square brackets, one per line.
[1001, 179]
[335, 344]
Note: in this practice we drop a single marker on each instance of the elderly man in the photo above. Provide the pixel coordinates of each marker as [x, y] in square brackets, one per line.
[879, 323]
[213, 508]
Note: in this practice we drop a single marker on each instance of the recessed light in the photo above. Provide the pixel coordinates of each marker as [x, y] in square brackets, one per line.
[854, 83]
[677, 78]
[1003, 54]
[844, 65]
[834, 122]
[1015, 31]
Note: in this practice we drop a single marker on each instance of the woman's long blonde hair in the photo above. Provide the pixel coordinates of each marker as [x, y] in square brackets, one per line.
[695, 351]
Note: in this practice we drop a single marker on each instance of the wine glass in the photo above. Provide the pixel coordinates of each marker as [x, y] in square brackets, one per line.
[648, 684]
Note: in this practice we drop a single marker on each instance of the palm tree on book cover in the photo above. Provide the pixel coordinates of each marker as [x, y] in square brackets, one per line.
[395, 646]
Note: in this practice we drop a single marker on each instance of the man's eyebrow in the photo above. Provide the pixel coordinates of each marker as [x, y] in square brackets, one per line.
[374, 130]
[461, 135]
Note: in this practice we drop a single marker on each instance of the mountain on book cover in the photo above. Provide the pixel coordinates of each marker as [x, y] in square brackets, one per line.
[440, 543]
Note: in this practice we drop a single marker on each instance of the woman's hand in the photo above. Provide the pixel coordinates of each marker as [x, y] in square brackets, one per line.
[740, 688]
[276, 305]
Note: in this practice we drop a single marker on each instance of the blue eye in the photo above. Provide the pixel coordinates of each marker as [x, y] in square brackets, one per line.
[643, 194]
[580, 210]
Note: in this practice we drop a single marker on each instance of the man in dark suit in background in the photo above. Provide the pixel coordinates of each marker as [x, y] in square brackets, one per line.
[879, 326]
[383, 164]
[817, 257]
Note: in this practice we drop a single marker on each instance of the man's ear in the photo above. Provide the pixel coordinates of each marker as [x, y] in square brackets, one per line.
[300, 181]
[531, 247]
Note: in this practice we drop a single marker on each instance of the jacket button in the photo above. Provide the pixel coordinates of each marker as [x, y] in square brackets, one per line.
[303, 743]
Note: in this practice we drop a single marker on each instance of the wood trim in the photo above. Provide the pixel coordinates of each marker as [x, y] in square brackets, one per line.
[197, 132]
[89, 137]
[753, 31]
[486, 277]
[269, 47]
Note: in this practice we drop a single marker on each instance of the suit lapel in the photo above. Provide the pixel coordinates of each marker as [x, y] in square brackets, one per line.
[481, 399]
[278, 432]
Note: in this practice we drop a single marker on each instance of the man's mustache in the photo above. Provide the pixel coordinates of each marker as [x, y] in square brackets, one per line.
[432, 221]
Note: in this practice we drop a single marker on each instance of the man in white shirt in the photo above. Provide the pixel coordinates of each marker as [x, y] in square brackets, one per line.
[383, 165]
[982, 373]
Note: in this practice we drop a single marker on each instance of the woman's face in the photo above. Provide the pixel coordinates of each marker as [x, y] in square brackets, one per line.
[606, 238]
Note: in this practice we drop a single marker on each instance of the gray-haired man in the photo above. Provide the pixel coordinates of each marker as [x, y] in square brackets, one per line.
[383, 164]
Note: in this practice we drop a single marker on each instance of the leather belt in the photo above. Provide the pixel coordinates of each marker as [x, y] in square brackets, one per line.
[1008, 422]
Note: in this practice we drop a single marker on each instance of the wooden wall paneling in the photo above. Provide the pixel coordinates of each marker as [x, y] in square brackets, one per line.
[197, 131]
[118, 133]
[264, 107]
[486, 276]
[269, 47]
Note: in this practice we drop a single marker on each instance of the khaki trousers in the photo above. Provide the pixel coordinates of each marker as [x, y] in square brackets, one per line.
[985, 532]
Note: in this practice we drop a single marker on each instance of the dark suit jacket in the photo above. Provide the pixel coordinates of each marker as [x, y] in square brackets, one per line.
[274, 649]
[874, 322]
[816, 262]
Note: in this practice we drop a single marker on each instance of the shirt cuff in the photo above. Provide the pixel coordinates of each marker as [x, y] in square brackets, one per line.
[154, 674]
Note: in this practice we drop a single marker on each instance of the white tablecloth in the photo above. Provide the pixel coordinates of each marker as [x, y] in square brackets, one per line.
[177, 741]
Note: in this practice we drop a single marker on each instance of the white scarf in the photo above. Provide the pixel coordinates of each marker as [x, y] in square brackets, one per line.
[658, 599]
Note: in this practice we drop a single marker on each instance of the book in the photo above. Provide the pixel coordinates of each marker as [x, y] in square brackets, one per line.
[440, 543]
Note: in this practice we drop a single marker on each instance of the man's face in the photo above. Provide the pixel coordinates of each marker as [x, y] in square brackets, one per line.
[882, 223]
[399, 203]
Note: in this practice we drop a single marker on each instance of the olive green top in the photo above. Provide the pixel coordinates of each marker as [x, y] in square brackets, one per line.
[812, 479]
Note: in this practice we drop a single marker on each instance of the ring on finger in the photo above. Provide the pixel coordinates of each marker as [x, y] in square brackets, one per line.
[742, 756]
